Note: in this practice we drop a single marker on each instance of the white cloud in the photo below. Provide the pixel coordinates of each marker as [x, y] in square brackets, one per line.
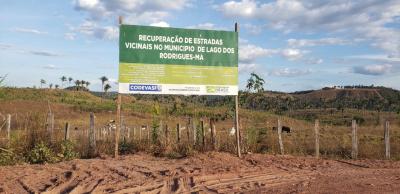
[313, 61]
[293, 54]
[249, 52]
[133, 11]
[69, 36]
[360, 19]
[29, 30]
[373, 69]
[50, 66]
[288, 72]
[160, 24]
[245, 8]
[253, 29]
[98, 9]
[316, 42]
[247, 67]
[43, 53]
[207, 26]
[4, 46]
[93, 29]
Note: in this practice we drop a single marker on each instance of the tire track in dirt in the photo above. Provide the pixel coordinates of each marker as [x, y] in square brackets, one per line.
[203, 173]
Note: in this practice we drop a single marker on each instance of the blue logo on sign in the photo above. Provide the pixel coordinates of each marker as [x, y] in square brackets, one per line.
[142, 87]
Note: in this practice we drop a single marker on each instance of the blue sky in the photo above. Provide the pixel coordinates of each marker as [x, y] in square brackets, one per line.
[294, 45]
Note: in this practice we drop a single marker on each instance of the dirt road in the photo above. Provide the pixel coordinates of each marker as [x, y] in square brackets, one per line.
[204, 173]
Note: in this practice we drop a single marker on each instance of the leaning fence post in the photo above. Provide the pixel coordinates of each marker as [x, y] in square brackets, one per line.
[316, 129]
[8, 126]
[280, 136]
[178, 132]
[354, 150]
[92, 136]
[66, 136]
[387, 140]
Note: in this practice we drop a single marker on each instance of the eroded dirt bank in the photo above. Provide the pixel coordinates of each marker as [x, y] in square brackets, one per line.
[204, 173]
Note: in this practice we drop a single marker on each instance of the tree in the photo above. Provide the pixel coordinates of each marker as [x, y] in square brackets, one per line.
[83, 82]
[56, 86]
[70, 80]
[42, 81]
[77, 83]
[255, 83]
[2, 78]
[107, 87]
[63, 79]
[50, 85]
[103, 79]
[87, 84]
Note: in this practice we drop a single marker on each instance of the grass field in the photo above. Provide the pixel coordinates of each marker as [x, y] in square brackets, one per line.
[29, 108]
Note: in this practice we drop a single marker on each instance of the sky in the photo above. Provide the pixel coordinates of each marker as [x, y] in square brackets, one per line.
[294, 45]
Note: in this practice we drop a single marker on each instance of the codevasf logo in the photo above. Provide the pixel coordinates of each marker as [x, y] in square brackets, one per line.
[147, 88]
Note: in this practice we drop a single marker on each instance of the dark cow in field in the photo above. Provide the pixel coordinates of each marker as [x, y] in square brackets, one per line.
[284, 129]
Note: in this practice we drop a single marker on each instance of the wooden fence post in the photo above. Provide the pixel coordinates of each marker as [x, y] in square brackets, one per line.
[134, 133]
[280, 136]
[50, 124]
[354, 150]
[194, 129]
[387, 140]
[166, 135]
[178, 132]
[66, 135]
[188, 130]
[203, 134]
[148, 133]
[123, 128]
[212, 126]
[316, 129]
[92, 136]
[8, 127]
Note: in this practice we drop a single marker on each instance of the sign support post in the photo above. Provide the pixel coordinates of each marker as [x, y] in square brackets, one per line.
[118, 120]
[237, 113]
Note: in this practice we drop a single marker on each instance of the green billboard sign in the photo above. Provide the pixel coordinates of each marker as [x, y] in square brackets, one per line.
[156, 60]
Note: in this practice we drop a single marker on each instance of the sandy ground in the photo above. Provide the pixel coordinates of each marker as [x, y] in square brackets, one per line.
[204, 173]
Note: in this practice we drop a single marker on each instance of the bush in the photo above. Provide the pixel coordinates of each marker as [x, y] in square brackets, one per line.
[126, 147]
[40, 154]
[8, 158]
[67, 150]
[180, 151]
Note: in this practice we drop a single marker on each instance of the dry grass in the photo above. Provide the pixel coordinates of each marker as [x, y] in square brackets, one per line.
[29, 119]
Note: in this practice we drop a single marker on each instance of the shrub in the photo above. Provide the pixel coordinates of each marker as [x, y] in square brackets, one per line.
[67, 150]
[40, 154]
[126, 147]
[8, 157]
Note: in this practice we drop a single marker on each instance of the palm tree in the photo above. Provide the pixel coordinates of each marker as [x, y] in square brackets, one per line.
[77, 83]
[87, 84]
[70, 80]
[50, 86]
[42, 81]
[103, 80]
[106, 88]
[56, 86]
[83, 82]
[63, 79]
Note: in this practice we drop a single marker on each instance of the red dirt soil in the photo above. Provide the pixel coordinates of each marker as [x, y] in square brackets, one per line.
[204, 173]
